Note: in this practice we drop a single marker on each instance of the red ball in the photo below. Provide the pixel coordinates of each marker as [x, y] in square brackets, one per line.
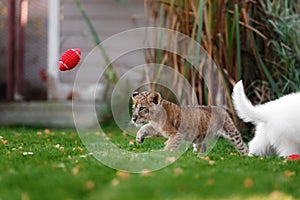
[69, 59]
[293, 157]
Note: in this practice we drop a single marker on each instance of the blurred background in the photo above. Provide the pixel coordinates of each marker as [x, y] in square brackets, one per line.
[33, 36]
[254, 41]
[35, 33]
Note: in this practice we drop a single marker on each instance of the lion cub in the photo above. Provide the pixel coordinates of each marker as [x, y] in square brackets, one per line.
[188, 123]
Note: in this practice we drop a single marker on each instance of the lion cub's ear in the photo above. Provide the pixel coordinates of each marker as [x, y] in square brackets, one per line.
[134, 95]
[154, 97]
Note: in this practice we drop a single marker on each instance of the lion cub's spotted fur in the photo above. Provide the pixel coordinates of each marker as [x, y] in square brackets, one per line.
[188, 123]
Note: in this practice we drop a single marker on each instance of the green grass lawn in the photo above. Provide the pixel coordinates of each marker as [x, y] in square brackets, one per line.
[54, 164]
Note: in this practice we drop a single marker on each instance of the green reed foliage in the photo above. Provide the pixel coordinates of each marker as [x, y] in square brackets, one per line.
[249, 40]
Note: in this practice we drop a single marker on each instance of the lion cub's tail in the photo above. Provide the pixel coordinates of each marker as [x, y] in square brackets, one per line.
[244, 108]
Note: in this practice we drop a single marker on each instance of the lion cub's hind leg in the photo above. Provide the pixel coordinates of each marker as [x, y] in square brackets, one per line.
[199, 146]
[196, 147]
[174, 142]
[231, 133]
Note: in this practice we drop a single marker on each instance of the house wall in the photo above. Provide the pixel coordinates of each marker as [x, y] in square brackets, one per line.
[3, 47]
[109, 17]
[34, 22]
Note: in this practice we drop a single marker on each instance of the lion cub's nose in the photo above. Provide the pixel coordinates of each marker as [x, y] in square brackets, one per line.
[134, 118]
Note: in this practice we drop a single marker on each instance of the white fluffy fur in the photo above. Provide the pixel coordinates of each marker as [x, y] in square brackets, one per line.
[277, 123]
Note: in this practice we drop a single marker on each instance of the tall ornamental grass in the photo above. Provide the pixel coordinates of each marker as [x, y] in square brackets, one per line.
[256, 41]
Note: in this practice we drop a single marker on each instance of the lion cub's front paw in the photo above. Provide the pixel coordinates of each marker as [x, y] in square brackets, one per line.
[140, 136]
[139, 140]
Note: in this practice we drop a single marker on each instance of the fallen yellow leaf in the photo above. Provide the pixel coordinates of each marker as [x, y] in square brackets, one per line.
[25, 196]
[288, 173]
[80, 149]
[89, 185]
[123, 175]
[178, 171]
[115, 182]
[204, 158]
[170, 159]
[60, 165]
[145, 172]
[75, 170]
[248, 182]
[211, 162]
[4, 141]
[210, 181]
[277, 195]
[39, 133]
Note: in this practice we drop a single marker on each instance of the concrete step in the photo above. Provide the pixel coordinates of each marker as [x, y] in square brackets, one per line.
[50, 114]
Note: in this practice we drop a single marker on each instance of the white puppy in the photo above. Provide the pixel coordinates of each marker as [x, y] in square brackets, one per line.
[277, 123]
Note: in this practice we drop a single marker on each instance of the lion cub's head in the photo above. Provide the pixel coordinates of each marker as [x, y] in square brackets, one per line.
[145, 106]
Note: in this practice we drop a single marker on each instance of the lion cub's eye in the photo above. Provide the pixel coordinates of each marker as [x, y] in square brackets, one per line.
[142, 109]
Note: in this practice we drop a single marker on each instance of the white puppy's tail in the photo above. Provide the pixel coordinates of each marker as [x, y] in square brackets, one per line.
[244, 108]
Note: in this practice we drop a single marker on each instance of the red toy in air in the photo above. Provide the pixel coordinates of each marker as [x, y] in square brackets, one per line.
[69, 59]
[293, 157]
